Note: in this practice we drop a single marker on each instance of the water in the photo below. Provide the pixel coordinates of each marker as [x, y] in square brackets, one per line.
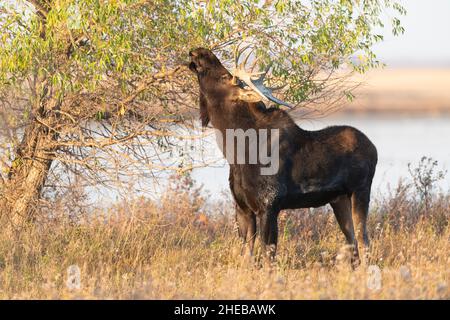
[399, 140]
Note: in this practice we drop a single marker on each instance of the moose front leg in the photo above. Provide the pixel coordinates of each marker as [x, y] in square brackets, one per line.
[268, 226]
[246, 221]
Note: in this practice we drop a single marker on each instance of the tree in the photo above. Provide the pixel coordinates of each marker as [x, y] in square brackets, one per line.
[85, 85]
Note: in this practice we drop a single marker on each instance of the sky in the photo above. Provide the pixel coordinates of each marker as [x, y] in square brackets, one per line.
[426, 41]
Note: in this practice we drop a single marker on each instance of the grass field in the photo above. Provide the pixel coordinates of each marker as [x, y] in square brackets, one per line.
[175, 249]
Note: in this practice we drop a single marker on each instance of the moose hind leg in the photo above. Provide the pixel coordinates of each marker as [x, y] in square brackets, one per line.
[268, 225]
[343, 211]
[246, 221]
[360, 210]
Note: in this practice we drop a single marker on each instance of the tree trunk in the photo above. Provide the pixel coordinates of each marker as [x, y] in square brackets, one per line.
[34, 156]
[28, 173]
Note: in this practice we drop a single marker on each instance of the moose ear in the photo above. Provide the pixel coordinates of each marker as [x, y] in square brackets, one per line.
[204, 116]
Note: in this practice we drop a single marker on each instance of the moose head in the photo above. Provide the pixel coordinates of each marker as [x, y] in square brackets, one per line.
[240, 84]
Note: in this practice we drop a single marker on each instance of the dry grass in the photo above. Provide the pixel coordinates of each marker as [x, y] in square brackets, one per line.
[175, 250]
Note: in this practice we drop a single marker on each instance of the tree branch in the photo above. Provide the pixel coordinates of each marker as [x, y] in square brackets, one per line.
[42, 7]
[157, 76]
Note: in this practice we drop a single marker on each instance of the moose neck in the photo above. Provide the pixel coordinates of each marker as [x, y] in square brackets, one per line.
[216, 100]
[226, 113]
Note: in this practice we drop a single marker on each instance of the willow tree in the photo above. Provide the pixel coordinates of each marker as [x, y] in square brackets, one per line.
[84, 84]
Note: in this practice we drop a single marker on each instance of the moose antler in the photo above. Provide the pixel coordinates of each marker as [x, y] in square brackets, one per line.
[255, 80]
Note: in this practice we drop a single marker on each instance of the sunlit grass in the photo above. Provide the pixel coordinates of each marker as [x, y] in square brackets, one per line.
[176, 250]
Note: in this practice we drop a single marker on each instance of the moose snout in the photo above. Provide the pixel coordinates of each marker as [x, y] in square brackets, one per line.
[192, 65]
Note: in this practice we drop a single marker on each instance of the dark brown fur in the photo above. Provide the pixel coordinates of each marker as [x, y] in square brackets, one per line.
[334, 165]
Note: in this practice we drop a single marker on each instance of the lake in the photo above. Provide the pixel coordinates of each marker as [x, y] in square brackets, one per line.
[400, 140]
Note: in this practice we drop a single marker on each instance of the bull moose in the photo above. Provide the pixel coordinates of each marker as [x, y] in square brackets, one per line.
[332, 166]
